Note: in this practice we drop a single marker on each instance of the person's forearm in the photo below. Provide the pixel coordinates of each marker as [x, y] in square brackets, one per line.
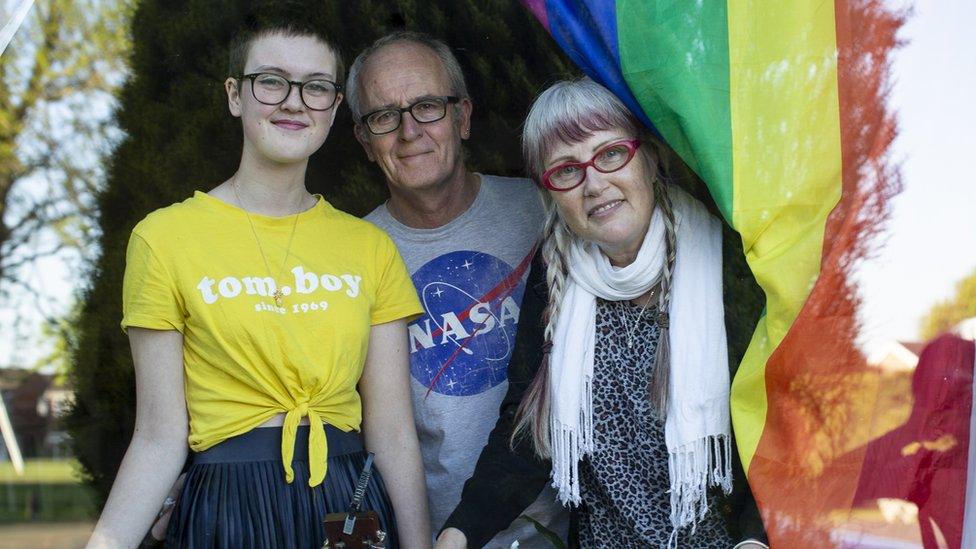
[398, 459]
[148, 470]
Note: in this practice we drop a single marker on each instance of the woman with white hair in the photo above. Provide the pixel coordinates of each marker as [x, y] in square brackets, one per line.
[631, 402]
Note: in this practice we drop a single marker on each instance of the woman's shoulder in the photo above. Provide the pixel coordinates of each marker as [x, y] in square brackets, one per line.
[367, 240]
[353, 227]
[513, 188]
[515, 195]
[164, 221]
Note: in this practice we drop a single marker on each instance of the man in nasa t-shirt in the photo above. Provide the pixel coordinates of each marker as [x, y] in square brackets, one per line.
[468, 240]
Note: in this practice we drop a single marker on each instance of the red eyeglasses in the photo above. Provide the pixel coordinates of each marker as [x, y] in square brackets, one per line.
[568, 176]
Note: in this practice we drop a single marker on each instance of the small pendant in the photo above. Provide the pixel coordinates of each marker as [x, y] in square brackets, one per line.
[663, 320]
[279, 297]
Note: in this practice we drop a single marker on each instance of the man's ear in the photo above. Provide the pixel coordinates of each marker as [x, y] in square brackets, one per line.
[233, 89]
[465, 107]
[363, 138]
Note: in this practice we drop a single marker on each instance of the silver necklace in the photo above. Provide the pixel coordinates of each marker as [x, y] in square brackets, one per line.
[632, 328]
[278, 295]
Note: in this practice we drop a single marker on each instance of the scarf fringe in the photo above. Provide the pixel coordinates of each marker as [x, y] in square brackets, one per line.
[693, 468]
[570, 446]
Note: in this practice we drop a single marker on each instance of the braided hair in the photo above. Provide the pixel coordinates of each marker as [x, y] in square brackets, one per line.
[658, 383]
[532, 416]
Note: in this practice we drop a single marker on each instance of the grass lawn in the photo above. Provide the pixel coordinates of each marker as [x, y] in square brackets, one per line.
[42, 471]
[50, 490]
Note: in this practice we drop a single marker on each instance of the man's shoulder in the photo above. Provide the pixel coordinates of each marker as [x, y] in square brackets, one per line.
[518, 193]
[380, 216]
[516, 185]
[365, 230]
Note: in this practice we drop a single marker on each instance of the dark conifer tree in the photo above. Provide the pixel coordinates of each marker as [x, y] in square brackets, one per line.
[180, 138]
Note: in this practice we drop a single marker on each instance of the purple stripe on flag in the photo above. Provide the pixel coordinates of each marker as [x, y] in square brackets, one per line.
[538, 9]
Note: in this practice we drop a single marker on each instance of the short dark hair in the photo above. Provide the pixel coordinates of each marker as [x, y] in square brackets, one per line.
[240, 46]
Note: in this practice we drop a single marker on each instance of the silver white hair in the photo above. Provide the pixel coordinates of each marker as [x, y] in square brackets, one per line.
[455, 77]
[569, 112]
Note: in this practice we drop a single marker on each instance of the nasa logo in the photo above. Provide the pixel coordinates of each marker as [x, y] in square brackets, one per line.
[463, 343]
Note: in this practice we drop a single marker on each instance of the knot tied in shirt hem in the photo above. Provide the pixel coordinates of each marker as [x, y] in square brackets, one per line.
[317, 444]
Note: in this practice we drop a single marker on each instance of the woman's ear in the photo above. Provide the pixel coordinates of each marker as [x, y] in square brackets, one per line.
[233, 88]
[335, 108]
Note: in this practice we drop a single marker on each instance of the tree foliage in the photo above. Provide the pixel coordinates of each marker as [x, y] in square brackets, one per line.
[944, 315]
[58, 77]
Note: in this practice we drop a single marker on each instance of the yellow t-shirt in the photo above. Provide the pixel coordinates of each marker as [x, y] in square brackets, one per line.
[196, 267]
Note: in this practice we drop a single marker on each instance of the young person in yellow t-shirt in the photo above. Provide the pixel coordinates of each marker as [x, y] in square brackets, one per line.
[268, 329]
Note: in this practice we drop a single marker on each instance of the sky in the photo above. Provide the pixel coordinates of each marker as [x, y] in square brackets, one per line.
[930, 242]
[931, 239]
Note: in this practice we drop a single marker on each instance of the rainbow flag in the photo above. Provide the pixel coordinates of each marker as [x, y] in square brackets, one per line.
[778, 106]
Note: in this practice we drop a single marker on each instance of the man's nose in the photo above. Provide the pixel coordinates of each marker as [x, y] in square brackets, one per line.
[409, 129]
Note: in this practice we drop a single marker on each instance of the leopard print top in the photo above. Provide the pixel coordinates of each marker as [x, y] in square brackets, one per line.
[624, 483]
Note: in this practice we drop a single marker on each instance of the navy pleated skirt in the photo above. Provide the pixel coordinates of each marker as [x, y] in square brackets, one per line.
[235, 494]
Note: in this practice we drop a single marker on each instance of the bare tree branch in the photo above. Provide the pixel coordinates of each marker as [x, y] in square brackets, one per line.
[69, 53]
[34, 256]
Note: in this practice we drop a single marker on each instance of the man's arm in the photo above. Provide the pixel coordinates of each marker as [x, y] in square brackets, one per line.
[505, 480]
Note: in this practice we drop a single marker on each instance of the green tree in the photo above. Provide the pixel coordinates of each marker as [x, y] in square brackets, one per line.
[59, 337]
[944, 315]
[59, 75]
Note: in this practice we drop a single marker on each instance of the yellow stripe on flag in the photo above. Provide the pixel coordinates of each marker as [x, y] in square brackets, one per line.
[786, 171]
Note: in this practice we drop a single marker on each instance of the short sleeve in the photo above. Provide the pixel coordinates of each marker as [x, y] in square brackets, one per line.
[396, 296]
[149, 295]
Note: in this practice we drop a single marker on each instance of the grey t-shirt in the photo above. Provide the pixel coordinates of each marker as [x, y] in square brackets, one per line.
[470, 276]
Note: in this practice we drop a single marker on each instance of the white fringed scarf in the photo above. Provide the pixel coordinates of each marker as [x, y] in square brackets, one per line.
[697, 431]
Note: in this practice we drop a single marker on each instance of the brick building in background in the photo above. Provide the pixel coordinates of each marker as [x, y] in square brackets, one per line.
[34, 403]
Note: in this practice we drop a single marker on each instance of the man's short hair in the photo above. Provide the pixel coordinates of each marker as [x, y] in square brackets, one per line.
[455, 77]
[240, 46]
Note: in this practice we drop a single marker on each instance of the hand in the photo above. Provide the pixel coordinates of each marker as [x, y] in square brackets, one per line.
[451, 538]
[158, 530]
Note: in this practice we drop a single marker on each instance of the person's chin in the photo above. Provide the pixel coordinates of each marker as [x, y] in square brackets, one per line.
[614, 232]
[418, 183]
[288, 156]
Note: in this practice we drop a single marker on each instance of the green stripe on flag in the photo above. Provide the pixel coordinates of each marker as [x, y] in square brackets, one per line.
[675, 58]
